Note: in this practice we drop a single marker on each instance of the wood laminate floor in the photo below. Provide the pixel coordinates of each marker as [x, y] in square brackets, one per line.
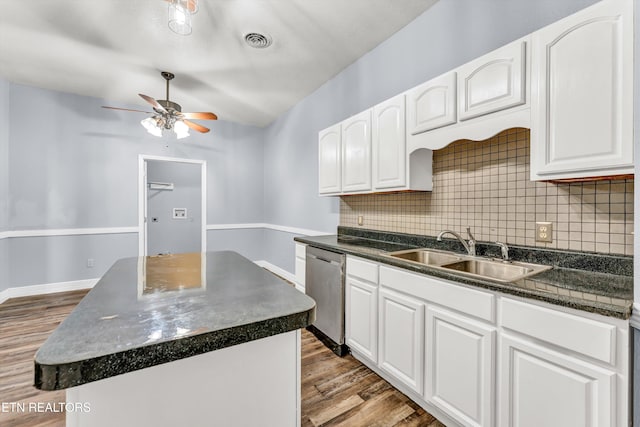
[335, 391]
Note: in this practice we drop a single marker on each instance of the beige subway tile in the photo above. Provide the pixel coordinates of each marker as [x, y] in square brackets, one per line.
[617, 249]
[575, 245]
[588, 237]
[575, 226]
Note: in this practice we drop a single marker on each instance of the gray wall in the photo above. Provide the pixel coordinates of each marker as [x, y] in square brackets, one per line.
[449, 34]
[167, 234]
[247, 242]
[4, 181]
[4, 154]
[42, 260]
[77, 167]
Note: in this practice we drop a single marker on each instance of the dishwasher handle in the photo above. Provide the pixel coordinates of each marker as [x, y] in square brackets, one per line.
[312, 256]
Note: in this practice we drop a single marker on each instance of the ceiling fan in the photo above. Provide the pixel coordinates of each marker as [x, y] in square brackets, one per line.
[168, 115]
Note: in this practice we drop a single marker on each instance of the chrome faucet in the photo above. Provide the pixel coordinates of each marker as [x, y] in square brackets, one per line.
[470, 246]
[504, 249]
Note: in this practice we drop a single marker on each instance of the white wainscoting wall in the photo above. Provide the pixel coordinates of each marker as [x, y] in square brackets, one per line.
[47, 288]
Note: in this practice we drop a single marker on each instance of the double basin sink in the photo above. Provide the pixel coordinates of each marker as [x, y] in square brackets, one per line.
[482, 268]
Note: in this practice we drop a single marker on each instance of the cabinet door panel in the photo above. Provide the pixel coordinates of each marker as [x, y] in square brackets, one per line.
[389, 140]
[401, 338]
[494, 82]
[540, 387]
[432, 104]
[362, 318]
[460, 366]
[582, 114]
[356, 152]
[330, 160]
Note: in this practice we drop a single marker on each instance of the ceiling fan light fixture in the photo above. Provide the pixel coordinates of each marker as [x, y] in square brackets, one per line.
[152, 126]
[181, 129]
[180, 16]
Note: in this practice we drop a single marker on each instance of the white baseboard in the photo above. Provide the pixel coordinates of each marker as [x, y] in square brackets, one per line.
[280, 272]
[47, 288]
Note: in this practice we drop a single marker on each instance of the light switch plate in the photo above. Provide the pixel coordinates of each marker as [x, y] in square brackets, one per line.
[544, 232]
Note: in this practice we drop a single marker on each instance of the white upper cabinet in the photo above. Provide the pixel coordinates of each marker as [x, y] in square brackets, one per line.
[493, 82]
[356, 153]
[432, 104]
[582, 108]
[330, 160]
[475, 101]
[388, 143]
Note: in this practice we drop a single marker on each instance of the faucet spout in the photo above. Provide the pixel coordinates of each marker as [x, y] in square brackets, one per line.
[504, 249]
[469, 246]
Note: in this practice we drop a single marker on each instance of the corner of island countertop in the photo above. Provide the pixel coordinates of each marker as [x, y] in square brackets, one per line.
[114, 330]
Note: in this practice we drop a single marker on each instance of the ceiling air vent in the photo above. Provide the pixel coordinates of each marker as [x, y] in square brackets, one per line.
[257, 40]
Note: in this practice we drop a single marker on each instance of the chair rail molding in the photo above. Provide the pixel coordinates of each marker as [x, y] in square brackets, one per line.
[45, 232]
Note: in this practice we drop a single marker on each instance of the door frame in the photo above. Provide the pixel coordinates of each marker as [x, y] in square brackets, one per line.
[142, 197]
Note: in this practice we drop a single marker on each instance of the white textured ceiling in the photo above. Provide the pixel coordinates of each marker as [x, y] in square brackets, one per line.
[114, 49]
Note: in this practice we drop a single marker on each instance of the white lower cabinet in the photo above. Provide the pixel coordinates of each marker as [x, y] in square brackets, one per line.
[401, 329]
[361, 317]
[301, 266]
[542, 387]
[475, 357]
[459, 373]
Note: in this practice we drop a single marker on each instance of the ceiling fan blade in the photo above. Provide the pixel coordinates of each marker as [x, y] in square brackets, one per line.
[196, 126]
[200, 116]
[126, 109]
[153, 102]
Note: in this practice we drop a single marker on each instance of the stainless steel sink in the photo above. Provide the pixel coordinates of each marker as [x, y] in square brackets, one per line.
[496, 269]
[482, 268]
[427, 257]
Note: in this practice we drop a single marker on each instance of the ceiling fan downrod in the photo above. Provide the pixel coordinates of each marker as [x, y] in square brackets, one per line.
[165, 102]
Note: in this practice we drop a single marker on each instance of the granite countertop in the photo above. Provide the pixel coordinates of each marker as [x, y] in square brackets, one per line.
[151, 310]
[600, 284]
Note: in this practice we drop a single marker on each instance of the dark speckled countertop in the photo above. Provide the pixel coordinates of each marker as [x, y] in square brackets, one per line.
[151, 310]
[597, 283]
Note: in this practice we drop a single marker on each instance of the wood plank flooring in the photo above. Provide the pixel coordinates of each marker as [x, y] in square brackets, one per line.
[343, 392]
[335, 391]
[25, 323]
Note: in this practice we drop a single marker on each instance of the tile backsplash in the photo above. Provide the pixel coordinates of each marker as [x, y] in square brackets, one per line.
[485, 185]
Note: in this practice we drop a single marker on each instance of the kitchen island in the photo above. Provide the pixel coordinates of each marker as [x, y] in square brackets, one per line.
[186, 339]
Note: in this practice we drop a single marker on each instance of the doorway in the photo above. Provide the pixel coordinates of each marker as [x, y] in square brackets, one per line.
[172, 205]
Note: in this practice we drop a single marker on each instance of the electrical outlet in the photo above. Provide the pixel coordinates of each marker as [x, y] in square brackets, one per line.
[360, 219]
[544, 232]
[179, 213]
[91, 263]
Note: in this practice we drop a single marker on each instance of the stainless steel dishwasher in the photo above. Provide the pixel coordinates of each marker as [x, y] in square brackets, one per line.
[324, 282]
